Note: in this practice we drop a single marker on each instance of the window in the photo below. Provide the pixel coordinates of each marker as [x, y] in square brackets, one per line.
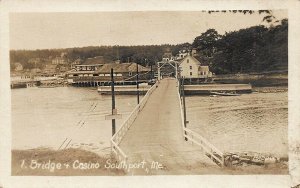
[191, 67]
[187, 60]
[130, 73]
[191, 73]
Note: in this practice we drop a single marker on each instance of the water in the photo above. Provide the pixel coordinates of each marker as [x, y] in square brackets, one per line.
[45, 117]
[255, 122]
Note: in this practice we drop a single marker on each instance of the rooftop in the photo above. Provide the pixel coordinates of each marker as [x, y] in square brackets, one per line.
[122, 67]
[96, 60]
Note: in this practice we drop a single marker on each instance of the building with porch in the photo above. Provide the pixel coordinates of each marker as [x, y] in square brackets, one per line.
[91, 64]
[96, 72]
[190, 67]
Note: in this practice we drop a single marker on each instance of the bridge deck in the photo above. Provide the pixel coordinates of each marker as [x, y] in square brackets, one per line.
[156, 136]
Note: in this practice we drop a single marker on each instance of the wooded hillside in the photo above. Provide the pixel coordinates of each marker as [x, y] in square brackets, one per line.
[254, 49]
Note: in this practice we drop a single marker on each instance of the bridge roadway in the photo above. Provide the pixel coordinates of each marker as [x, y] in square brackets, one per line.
[156, 137]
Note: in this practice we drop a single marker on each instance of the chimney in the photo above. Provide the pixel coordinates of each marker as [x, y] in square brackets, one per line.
[194, 52]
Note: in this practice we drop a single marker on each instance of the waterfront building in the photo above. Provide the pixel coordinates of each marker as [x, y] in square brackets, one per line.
[76, 62]
[191, 67]
[50, 70]
[92, 64]
[124, 73]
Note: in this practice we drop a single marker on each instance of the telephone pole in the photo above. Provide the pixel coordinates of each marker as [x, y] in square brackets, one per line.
[113, 121]
[184, 107]
[137, 84]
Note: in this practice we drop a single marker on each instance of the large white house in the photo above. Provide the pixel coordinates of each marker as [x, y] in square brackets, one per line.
[190, 67]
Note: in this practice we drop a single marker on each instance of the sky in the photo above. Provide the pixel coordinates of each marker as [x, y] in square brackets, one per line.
[78, 29]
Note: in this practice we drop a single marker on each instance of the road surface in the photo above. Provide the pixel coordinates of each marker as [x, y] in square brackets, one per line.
[156, 138]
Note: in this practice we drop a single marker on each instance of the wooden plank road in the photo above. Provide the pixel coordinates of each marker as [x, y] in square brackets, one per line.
[156, 138]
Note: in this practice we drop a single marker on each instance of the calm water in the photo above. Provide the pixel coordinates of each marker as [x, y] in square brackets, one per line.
[45, 117]
[251, 122]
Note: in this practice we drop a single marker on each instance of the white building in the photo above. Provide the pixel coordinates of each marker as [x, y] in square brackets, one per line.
[181, 54]
[190, 67]
[168, 56]
[59, 61]
[18, 67]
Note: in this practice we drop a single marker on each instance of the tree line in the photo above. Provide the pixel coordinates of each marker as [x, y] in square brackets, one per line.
[254, 49]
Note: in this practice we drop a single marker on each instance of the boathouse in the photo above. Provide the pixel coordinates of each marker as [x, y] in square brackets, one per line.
[124, 74]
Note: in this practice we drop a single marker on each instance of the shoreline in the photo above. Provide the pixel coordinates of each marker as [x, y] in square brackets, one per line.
[256, 80]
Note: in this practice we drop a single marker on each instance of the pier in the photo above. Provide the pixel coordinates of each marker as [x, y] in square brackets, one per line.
[124, 89]
[209, 88]
[155, 133]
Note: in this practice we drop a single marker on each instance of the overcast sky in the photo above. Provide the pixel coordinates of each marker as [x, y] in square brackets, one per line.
[63, 30]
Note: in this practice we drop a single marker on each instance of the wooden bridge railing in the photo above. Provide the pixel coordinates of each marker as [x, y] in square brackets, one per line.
[211, 151]
[119, 135]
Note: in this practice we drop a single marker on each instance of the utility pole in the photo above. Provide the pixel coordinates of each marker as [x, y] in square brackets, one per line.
[151, 76]
[137, 84]
[113, 121]
[184, 108]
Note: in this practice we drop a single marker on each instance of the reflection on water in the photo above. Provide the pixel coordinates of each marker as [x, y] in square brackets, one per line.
[45, 117]
[251, 122]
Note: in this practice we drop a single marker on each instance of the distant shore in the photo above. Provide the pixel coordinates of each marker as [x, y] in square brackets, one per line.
[270, 79]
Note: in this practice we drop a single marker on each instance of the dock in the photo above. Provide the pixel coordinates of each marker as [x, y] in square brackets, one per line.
[124, 89]
[201, 89]
[207, 89]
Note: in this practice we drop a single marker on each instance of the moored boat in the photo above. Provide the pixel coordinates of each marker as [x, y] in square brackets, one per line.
[225, 94]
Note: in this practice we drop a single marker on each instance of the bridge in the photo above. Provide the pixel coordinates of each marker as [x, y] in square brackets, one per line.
[153, 139]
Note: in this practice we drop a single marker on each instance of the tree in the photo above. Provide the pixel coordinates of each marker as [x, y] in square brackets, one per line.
[206, 42]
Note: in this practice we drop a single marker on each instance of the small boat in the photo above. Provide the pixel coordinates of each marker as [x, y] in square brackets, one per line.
[225, 94]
